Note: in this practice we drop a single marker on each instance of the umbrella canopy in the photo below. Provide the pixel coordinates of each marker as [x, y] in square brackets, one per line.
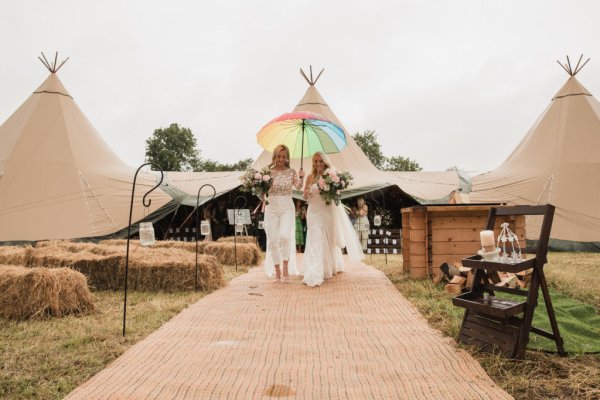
[303, 132]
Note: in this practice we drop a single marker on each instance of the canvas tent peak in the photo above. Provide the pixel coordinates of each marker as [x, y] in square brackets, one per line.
[311, 81]
[413, 187]
[571, 71]
[59, 178]
[556, 162]
[52, 66]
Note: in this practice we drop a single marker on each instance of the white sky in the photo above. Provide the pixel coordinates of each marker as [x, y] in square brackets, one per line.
[442, 82]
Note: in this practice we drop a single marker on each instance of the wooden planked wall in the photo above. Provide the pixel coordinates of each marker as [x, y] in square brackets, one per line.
[445, 234]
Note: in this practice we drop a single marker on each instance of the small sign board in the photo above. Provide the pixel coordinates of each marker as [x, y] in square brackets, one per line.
[242, 216]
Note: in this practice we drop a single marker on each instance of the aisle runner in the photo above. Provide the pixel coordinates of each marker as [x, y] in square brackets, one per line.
[355, 337]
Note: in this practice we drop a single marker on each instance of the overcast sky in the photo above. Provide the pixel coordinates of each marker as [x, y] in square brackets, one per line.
[446, 83]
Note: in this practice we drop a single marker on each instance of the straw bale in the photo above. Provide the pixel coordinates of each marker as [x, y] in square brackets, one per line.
[150, 268]
[238, 239]
[78, 247]
[15, 255]
[174, 270]
[27, 293]
[168, 244]
[174, 244]
[102, 270]
[168, 268]
[226, 253]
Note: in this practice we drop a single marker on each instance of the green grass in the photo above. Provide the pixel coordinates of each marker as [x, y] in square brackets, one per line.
[541, 375]
[46, 359]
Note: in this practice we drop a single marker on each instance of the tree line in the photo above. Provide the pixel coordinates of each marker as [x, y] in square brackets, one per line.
[175, 149]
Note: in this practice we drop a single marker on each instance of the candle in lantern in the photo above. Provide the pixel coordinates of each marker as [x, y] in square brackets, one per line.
[487, 240]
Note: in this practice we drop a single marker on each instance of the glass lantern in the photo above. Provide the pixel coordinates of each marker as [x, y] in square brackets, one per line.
[511, 249]
[146, 234]
[204, 228]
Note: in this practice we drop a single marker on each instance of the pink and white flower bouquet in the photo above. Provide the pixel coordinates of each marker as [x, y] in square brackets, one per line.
[331, 183]
[257, 182]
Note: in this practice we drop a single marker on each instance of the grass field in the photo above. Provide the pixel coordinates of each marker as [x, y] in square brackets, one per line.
[47, 359]
[540, 375]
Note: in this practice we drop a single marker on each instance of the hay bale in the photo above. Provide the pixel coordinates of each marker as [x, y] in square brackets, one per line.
[150, 268]
[167, 268]
[15, 255]
[173, 270]
[159, 244]
[226, 252]
[238, 239]
[174, 244]
[102, 270]
[27, 293]
[115, 242]
[89, 247]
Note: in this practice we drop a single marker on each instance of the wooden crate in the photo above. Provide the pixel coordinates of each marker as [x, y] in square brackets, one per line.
[433, 235]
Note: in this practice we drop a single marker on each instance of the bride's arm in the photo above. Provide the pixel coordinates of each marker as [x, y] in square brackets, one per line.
[307, 184]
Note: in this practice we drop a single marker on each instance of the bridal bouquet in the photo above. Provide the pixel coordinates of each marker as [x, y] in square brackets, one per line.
[257, 182]
[331, 183]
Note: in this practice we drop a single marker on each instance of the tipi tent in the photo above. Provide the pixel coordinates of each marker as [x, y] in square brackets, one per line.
[557, 162]
[409, 188]
[58, 178]
[422, 186]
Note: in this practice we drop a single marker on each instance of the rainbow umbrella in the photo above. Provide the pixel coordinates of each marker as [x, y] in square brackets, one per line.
[303, 132]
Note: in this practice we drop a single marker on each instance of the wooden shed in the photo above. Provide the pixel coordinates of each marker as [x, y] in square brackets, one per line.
[433, 235]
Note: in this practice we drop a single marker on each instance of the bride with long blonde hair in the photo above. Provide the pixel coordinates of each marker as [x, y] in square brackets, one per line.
[328, 231]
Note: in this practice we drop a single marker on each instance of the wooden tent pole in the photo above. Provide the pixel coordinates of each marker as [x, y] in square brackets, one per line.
[563, 67]
[319, 76]
[62, 63]
[569, 63]
[580, 57]
[583, 65]
[305, 77]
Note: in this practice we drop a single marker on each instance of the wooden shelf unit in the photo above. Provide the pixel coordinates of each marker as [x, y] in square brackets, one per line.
[494, 323]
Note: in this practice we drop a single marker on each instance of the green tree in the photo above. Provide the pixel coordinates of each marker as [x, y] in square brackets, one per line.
[173, 149]
[369, 144]
[367, 141]
[400, 163]
[213, 166]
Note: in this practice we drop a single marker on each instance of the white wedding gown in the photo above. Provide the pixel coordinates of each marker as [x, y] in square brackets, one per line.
[328, 231]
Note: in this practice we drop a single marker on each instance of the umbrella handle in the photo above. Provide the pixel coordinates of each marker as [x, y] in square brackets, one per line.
[302, 147]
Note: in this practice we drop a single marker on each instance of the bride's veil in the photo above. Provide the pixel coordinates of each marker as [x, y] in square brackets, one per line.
[345, 235]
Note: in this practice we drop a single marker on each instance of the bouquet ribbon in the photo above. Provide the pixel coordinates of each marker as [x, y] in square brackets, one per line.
[262, 205]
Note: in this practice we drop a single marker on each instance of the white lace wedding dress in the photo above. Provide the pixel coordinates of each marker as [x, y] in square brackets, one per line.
[328, 231]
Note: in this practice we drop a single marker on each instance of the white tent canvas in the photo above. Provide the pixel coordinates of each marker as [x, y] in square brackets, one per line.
[58, 178]
[557, 162]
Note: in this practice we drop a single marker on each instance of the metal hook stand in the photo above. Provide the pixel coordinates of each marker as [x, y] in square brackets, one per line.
[198, 224]
[145, 204]
[385, 239]
[237, 211]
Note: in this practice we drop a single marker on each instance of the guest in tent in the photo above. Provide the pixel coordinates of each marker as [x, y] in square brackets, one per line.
[361, 225]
